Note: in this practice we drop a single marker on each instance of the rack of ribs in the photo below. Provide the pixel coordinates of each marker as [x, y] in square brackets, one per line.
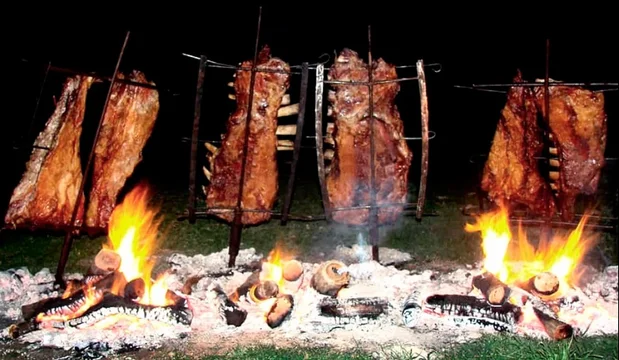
[128, 123]
[348, 181]
[511, 174]
[260, 179]
[46, 195]
[577, 124]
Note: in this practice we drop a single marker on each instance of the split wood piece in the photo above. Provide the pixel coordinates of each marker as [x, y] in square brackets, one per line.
[135, 289]
[545, 283]
[284, 130]
[493, 289]
[280, 310]
[285, 145]
[106, 261]
[263, 291]
[292, 270]
[555, 328]
[330, 278]
[554, 175]
[188, 285]
[554, 162]
[553, 151]
[353, 307]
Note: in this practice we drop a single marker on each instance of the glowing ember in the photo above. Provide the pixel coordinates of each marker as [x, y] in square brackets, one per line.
[518, 260]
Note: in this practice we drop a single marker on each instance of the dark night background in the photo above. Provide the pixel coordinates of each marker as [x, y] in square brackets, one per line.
[472, 47]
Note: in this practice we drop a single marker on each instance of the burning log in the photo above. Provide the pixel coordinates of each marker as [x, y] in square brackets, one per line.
[176, 314]
[353, 307]
[545, 283]
[462, 310]
[280, 310]
[330, 277]
[106, 261]
[493, 289]
[555, 328]
[292, 270]
[264, 290]
[135, 289]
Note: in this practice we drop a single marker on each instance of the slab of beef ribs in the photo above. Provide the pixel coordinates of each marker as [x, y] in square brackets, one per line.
[127, 125]
[260, 180]
[577, 123]
[46, 195]
[511, 174]
[348, 182]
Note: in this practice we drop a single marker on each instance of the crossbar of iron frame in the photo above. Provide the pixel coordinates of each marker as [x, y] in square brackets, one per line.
[68, 241]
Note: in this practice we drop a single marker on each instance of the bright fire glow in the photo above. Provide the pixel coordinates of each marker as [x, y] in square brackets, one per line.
[515, 260]
[133, 231]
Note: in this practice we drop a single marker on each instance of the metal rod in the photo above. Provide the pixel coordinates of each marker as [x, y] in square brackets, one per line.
[539, 84]
[546, 227]
[373, 219]
[237, 226]
[320, 155]
[366, 83]
[206, 214]
[191, 206]
[36, 107]
[68, 240]
[425, 143]
[436, 67]
[98, 77]
[297, 143]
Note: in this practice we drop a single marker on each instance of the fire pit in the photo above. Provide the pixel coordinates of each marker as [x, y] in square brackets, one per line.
[341, 302]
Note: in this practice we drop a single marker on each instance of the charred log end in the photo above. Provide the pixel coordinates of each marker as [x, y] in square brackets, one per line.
[545, 283]
[555, 328]
[233, 314]
[22, 328]
[493, 289]
[265, 290]
[135, 289]
[251, 281]
[280, 310]
[330, 278]
[354, 307]
[292, 270]
[106, 261]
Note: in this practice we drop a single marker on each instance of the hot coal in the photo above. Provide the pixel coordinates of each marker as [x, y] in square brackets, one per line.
[177, 314]
[353, 307]
[213, 325]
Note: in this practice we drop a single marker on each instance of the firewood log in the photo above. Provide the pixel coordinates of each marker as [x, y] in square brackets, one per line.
[493, 289]
[330, 278]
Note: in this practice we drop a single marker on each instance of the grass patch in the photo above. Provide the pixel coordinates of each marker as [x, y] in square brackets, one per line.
[514, 347]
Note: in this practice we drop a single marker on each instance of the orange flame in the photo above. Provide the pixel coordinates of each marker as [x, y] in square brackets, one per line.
[133, 231]
[517, 261]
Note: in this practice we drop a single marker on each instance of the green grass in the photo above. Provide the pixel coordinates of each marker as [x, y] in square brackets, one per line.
[491, 347]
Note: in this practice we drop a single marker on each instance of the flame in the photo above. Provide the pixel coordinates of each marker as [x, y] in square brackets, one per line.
[132, 233]
[273, 268]
[515, 260]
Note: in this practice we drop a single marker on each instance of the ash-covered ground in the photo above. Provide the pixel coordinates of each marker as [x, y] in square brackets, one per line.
[596, 310]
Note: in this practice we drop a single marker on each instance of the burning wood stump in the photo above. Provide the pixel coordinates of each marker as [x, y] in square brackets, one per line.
[330, 277]
[543, 284]
[354, 307]
[272, 289]
[493, 289]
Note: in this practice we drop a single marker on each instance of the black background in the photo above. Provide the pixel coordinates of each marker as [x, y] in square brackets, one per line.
[482, 45]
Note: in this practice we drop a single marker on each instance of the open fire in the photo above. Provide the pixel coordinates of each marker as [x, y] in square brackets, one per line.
[118, 286]
[520, 287]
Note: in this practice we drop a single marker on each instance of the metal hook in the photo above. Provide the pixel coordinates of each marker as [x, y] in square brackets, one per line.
[325, 61]
[433, 67]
